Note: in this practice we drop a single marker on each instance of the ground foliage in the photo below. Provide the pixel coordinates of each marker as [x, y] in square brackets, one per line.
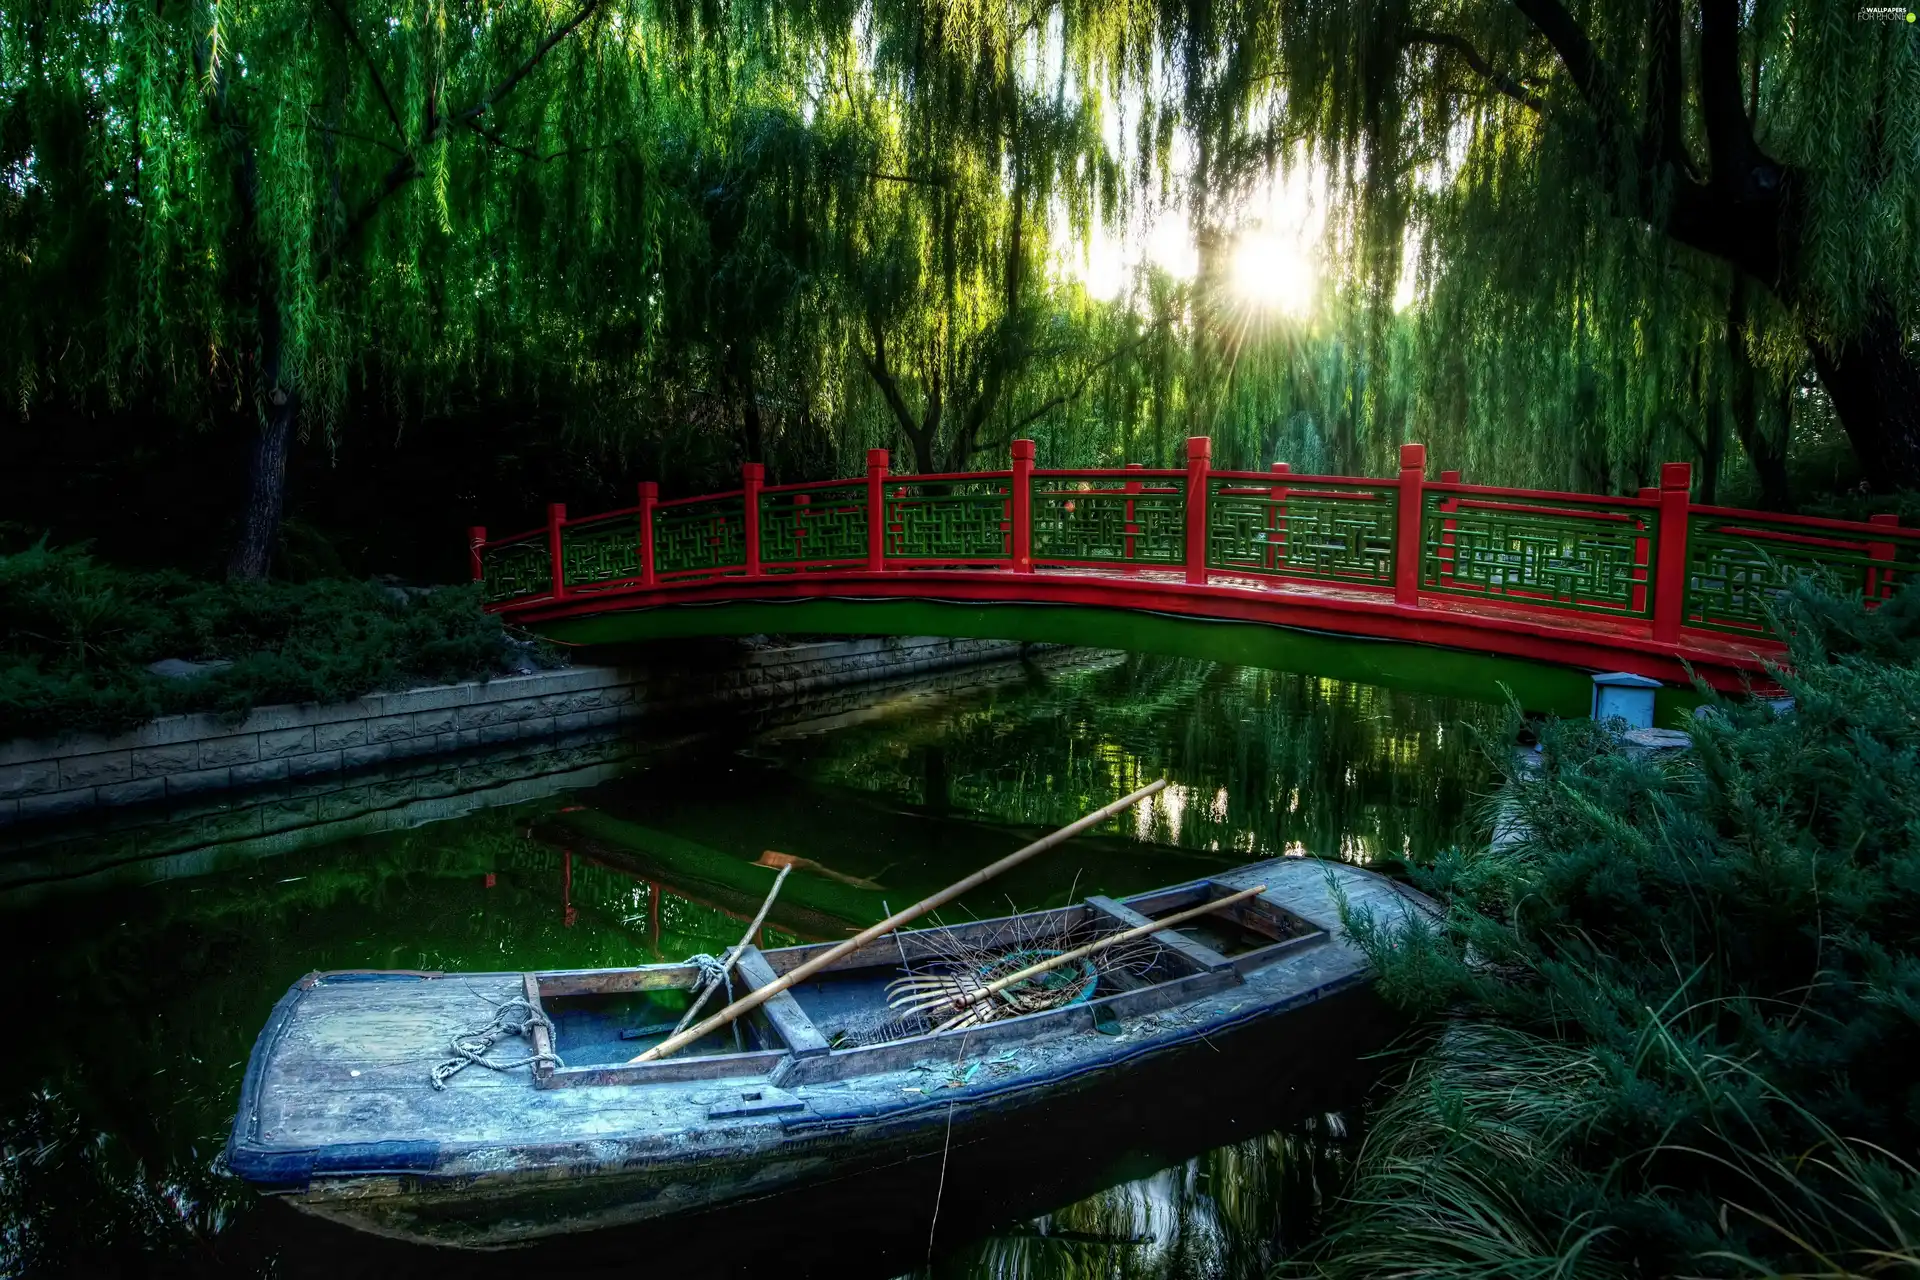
[79, 636]
[1677, 1020]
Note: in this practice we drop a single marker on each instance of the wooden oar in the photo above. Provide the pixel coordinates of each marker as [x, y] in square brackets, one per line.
[754, 999]
[965, 1002]
[733, 956]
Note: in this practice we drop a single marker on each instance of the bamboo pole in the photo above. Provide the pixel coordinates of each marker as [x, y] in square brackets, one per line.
[733, 956]
[966, 1002]
[754, 999]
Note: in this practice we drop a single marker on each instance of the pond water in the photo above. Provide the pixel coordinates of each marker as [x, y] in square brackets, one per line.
[142, 1001]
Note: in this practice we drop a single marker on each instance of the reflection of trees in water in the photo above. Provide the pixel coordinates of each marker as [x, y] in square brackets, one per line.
[111, 1123]
[1265, 762]
[1234, 1212]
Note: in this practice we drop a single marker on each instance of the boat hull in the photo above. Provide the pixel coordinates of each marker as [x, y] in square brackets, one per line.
[507, 1162]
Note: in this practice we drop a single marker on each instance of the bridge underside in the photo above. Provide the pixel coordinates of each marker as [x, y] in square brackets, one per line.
[1461, 653]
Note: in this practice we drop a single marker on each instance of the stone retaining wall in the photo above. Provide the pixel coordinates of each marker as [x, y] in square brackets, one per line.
[216, 830]
[182, 756]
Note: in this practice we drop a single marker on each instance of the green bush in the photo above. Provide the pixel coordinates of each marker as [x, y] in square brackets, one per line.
[80, 635]
[1674, 1030]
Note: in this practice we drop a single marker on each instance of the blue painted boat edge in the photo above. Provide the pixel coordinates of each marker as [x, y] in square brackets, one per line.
[270, 1167]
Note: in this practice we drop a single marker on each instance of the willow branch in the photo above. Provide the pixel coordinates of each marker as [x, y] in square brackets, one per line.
[406, 168]
[1665, 85]
[338, 132]
[1730, 142]
[1481, 67]
[1590, 73]
[353, 38]
[403, 171]
[537, 156]
[525, 69]
[1064, 397]
[497, 140]
[907, 179]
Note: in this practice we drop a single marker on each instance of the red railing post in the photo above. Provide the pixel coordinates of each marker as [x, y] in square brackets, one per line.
[1130, 548]
[1199, 461]
[1642, 564]
[1670, 569]
[1880, 581]
[556, 563]
[476, 539]
[649, 498]
[1022, 486]
[1277, 520]
[876, 510]
[1406, 527]
[752, 476]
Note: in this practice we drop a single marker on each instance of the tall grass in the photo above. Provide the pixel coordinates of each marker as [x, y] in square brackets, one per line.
[1675, 1031]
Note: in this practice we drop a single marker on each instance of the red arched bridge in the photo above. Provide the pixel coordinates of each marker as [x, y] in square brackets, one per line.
[1524, 587]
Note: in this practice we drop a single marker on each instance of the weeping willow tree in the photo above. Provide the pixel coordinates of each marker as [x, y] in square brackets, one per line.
[250, 207]
[786, 231]
[1629, 216]
[718, 226]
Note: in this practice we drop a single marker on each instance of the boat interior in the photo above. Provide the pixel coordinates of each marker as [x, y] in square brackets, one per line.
[838, 1023]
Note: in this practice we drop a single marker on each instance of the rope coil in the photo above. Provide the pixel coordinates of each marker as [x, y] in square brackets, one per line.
[470, 1047]
[518, 1018]
[713, 972]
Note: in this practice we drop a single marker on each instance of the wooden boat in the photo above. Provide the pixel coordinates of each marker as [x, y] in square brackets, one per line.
[338, 1116]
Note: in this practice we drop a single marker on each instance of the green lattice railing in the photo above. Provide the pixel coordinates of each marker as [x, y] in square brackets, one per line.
[704, 535]
[1590, 556]
[1739, 563]
[950, 521]
[1654, 559]
[600, 550]
[818, 525]
[1109, 519]
[1325, 530]
[515, 568]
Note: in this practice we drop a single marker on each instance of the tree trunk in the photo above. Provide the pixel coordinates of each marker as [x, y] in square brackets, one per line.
[266, 489]
[1875, 388]
[740, 370]
[267, 469]
[1769, 461]
[921, 442]
[1767, 451]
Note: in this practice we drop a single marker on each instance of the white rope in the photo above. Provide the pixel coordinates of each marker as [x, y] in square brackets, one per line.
[470, 1047]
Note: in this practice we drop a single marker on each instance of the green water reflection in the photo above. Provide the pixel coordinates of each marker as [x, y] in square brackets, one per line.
[143, 1002]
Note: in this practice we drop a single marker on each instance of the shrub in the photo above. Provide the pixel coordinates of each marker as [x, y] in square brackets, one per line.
[80, 635]
[1673, 1030]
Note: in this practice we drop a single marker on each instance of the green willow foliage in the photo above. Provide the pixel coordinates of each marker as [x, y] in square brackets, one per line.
[1634, 221]
[791, 231]
[1684, 1007]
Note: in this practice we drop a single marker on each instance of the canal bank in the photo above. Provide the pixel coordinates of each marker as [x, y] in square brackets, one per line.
[176, 757]
[516, 739]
